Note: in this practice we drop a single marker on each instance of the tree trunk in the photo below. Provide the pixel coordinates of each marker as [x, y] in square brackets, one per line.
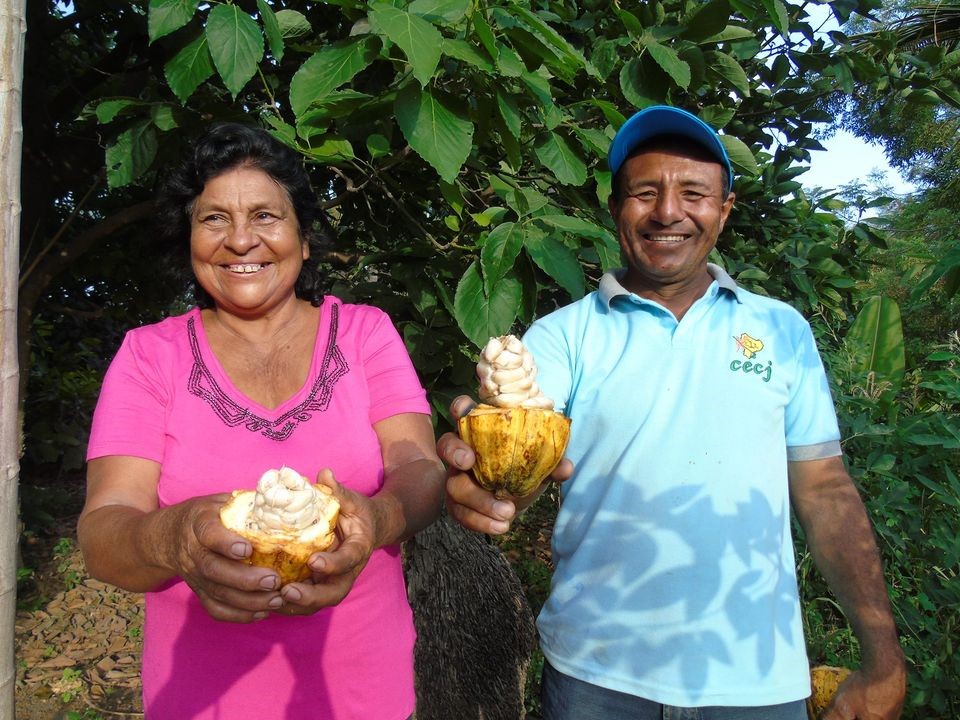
[12, 30]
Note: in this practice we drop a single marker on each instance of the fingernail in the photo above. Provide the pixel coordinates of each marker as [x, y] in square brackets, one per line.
[292, 594]
[497, 527]
[240, 549]
[318, 565]
[260, 615]
[275, 602]
[268, 582]
[502, 509]
[460, 458]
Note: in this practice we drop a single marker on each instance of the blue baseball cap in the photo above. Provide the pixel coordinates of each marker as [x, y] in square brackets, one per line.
[665, 120]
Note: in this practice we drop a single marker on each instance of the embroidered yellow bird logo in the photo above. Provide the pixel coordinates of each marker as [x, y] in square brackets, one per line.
[749, 345]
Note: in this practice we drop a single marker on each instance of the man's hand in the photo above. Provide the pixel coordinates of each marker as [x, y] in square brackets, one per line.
[863, 697]
[468, 503]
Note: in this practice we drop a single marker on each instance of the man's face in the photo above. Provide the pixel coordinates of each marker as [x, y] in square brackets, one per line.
[669, 213]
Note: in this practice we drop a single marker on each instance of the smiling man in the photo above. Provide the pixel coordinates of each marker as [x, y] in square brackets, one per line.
[700, 414]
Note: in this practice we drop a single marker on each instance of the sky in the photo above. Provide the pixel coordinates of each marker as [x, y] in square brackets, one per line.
[848, 158]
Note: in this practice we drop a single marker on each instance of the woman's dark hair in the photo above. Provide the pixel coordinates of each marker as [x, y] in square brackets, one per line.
[227, 146]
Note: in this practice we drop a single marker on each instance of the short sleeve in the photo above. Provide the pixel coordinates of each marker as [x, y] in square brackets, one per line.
[391, 378]
[810, 420]
[130, 415]
[551, 353]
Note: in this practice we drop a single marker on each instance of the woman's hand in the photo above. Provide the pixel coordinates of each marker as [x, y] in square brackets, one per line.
[335, 571]
[468, 503]
[210, 559]
[128, 541]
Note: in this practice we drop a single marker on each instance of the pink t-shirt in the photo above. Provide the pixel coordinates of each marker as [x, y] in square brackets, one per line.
[166, 398]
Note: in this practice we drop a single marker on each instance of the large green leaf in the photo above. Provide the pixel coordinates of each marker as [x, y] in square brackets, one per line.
[236, 45]
[875, 341]
[555, 153]
[439, 135]
[329, 68]
[641, 85]
[131, 154]
[558, 261]
[467, 52]
[576, 226]
[271, 29]
[441, 12]
[778, 14]
[165, 16]
[510, 113]
[481, 317]
[740, 156]
[707, 21]
[498, 253]
[419, 40]
[727, 69]
[292, 24]
[186, 70]
[669, 61]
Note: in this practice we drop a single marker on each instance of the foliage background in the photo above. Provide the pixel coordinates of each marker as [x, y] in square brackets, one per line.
[459, 150]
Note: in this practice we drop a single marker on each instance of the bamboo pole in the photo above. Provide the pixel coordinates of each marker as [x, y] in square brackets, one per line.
[12, 30]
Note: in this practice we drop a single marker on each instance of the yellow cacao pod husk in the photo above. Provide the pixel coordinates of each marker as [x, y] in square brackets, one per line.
[286, 553]
[516, 448]
[824, 680]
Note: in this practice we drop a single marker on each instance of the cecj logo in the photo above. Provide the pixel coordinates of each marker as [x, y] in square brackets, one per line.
[750, 346]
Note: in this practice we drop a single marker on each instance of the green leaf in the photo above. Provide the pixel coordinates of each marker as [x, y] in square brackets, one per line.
[329, 68]
[576, 226]
[165, 16]
[271, 29]
[510, 113]
[440, 136]
[707, 21]
[419, 40]
[108, 109]
[571, 56]
[163, 117]
[131, 154]
[778, 14]
[730, 32]
[727, 69]
[467, 52]
[641, 87]
[441, 12]
[292, 24]
[555, 153]
[558, 261]
[875, 341]
[484, 34]
[480, 316]
[186, 70]
[740, 156]
[499, 252]
[236, 45]
[669, 61]
[377, 145]
[331, 149]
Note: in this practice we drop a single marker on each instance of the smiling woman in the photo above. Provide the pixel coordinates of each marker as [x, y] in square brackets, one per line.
[264, 373]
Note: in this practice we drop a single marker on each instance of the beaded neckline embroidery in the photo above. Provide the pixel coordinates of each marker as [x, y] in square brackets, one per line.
[203, 384]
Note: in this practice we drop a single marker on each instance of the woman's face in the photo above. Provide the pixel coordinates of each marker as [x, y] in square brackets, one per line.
[245, 244]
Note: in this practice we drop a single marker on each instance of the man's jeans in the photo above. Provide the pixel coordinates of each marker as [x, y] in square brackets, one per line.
[566, 698]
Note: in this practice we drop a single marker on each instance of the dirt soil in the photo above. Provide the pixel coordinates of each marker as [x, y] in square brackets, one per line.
[78, 640]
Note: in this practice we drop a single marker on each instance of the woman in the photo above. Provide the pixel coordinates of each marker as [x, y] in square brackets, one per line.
[264, 373]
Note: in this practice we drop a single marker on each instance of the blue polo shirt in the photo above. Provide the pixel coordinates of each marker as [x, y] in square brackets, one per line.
[674, 570]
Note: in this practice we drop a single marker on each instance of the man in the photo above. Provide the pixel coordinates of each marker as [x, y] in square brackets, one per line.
[700, 412]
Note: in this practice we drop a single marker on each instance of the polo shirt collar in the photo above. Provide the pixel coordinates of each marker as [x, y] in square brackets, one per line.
[611, 283]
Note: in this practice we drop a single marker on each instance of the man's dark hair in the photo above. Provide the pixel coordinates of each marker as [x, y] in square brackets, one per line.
[226, 146]
[658, 142]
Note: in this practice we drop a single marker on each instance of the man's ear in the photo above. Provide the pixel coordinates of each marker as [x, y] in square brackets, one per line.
[725, 209]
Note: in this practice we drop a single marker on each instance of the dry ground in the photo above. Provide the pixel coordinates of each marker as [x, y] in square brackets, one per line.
[78, 640]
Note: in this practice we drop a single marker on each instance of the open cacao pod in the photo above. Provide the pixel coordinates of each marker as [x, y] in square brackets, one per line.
[516, 448]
